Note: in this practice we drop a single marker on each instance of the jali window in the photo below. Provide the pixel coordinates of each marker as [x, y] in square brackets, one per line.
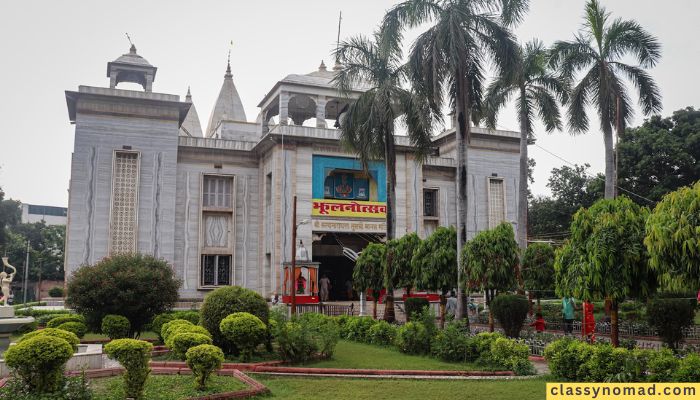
[430, 203]
[123, 220]
[497, 202]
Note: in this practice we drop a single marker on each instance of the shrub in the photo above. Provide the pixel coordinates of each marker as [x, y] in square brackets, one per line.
[115, 326]
[180, 329]
[62, 319]
[133, 285]
[671, 317]
[382, 333]
[69, 337]
[566, 358]
[39, 361]
[43, 320]
[158, 322]
[481, 343]
[181, 342]
[415, 305]
[450, 344]
[688, 370]
[245, 330]
[225, 301]
[662, 366]
[510, 311]
[412, 338]
[79, 328]
[605, 363]
[134, 356]
[203, 360]
[357, 329]
[165, 329]
[56, 291]
[512, 355]
[27, 328]
[72, 388]
[341, 321]
[295, 342]
[324, 332]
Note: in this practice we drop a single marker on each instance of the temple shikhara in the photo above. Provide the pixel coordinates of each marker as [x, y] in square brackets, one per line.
[216, 203]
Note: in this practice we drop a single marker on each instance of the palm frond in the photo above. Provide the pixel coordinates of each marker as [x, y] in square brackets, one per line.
[649, 94]
[625, 37]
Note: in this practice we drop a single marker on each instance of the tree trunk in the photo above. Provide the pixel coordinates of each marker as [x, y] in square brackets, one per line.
[374, 308]
[443, 303]
[522, 189]
[609, 162]
[529, 303]
[390, 162]
[389, 313]
[539, 306]
[462, 109]
[614, 327]
[491, 324]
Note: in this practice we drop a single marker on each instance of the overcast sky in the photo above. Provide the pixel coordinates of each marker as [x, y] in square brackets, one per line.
[50, 46]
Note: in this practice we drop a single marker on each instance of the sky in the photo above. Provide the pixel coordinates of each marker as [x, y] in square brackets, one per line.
[50, 46]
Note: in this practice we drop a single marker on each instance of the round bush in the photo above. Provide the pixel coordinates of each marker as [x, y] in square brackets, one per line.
[295, 342]
[382, 333]
[415, 306]
[180, 329]
[508, 353]
[510, 310]
[181, 342]
[39, 361]
[245, 330]
[43, 320]
[323, 330]
[158, 322]
[56, 291]
[413, 338]
[62, 319]
[225, 301]
[79, 328]
[168, 326]
[452, 345]
[134, 356]
[115, 326]
[357, 329]
[203, 360]
[671, 317]
[192, 316]
[69, 337]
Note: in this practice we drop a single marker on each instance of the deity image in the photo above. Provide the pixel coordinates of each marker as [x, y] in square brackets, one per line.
[6, 280]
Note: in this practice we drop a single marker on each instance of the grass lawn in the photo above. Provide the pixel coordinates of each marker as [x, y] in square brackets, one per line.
[336, 388]
[357, 355]
[164, 387]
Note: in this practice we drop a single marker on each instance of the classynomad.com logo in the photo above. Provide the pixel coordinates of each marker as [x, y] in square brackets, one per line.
[623, 391]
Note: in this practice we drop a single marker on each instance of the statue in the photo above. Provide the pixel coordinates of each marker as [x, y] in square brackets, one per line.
[6, 280]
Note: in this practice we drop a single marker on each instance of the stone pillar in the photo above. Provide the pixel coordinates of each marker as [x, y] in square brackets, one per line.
[321, 112]
[113, 79]
[284, 108]
[149, 83]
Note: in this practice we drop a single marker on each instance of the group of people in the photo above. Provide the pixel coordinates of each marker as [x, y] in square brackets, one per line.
[568, 309]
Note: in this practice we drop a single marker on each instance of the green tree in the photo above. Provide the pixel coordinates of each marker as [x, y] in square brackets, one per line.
[673, 239]
[661, 155]
[536, 92]
[434, 263]
[538, 270]
[10, 215]
[46, 249]
[399, 273]
[605, 257]
[447, 62]
[368, 125]
[598, 52]
[368, 273]
[490, 262]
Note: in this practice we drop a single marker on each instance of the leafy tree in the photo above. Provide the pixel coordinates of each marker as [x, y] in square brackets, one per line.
[538, 270]
[434, 263]
[46, 249]
[598, 53]
[367, 127]
[660, 156]
[447, 62]
[399, 272]
[673, 238]
[490, 260]
[368, 273]
[605, 257]
[10, 215]
[133, 285]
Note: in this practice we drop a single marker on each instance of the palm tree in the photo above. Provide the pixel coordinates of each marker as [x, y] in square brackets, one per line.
[597, 51]
[368, 124]
[537, 92]
[449, 59]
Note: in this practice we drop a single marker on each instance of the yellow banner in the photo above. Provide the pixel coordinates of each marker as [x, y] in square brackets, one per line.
[623, 391]
[348, 208]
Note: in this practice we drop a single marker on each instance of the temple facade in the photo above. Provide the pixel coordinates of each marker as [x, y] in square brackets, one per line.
[217, 203]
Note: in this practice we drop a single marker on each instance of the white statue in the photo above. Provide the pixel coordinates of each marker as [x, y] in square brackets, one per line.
[6, 280]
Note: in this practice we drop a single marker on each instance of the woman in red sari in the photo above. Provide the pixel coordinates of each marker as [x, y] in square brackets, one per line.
[588, 326]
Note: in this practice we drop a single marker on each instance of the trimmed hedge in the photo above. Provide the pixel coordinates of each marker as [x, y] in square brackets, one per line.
[39, 362]
[245, 330]
[134, 356]
[68, 336]
[168, 326]
[203, 360]
[181, 342]
[115, 326]
[56, 291]
[79, 328]
[510, 310]
[180, 329]
[62, 319]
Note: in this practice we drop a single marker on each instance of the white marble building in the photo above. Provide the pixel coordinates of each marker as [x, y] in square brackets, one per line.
[216, 203]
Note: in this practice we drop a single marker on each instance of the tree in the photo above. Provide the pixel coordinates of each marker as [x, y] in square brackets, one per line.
[605, 257]
[490, 261]
[133, 285]
[368, 125]
[434, 264]
[598, 52]
[10, 215]
[46, 249]
[399, 273]
[673, 239]
[660, 156]
[368, 273]
[448, 61]
[536, 92]
[538, 270]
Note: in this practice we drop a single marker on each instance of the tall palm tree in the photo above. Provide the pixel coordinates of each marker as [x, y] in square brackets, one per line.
[536, 92]
[449, 59]
[368, 124]
[597, 52]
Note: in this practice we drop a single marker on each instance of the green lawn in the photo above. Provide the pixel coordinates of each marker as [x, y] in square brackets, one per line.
[164, 387]
[337, 388]
[357, 355]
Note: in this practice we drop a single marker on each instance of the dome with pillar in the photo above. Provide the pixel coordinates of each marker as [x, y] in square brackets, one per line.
[131, 67]
[191, 125]
[228, 106]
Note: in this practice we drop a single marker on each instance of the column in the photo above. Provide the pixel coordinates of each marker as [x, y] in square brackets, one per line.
[284, 107]
[321, 112]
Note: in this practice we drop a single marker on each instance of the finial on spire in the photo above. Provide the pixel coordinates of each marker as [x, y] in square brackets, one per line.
[337, 42]
[322, 67]
[132, 49]
[188, 97]
[228, 62]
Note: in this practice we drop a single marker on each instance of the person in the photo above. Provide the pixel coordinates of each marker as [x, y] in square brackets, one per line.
[472, 307]
[588, 326]
[301, 284]
[451, 305]
[539, 323]
[325, 286]
[348, 289]
[568, 305]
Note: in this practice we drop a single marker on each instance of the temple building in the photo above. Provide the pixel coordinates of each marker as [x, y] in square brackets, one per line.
[216, 203]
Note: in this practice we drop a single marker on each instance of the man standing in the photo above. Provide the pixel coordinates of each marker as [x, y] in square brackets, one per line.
[325, 286]
[568, 306]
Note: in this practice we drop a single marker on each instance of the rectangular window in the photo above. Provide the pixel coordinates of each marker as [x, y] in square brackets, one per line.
[123, 218]
[216, 270]
[430, 203]
[497, 202]
[217, 192]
